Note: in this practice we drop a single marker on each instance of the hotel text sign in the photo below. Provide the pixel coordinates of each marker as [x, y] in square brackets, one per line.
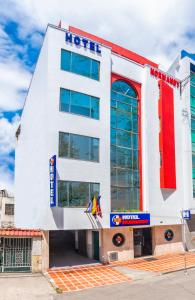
[158, 74]
[133, 219]
[80, 41]
[52, 180]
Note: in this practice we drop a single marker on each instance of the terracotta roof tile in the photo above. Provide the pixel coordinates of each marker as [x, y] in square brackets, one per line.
[20, 232]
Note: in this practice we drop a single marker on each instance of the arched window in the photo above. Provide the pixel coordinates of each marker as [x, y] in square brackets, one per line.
[125, 183]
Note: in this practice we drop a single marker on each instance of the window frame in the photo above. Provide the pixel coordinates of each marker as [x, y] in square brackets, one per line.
[78, 54]
[68, 182]
[77, 114]
[89, 146]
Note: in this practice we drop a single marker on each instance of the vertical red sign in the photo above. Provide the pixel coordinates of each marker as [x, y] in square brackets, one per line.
[167, 137]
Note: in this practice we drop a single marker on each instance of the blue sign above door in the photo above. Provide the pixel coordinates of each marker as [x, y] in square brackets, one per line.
[131, 219]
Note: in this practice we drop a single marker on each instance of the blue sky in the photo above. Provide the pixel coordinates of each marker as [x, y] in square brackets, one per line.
[156, 29]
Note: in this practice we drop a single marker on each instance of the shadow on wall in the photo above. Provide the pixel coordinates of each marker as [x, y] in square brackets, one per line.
[58, 216]
[166, 193]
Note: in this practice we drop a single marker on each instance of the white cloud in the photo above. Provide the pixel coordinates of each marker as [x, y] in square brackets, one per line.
[147, 27]
[7, 134]
[6, 179]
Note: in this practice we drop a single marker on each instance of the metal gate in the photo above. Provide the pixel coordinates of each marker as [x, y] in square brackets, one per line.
[15, 254]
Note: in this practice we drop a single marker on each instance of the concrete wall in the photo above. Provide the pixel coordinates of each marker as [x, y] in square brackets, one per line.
[125, 251]
[37, 254]
[161, 246]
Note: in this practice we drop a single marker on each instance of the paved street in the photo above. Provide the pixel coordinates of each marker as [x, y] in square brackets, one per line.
[25, 287]
[171, 286]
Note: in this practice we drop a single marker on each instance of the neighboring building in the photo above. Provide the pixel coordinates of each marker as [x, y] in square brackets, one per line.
[119, 127]
[6, 209]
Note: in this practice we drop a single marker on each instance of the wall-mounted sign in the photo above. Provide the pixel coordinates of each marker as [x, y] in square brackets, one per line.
[160, 75]
[80, 41]
[186, 214]
[169, 235]
[118, 239]
[52, 180]
[131, 219]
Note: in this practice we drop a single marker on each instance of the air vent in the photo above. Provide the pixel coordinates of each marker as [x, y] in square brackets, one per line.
[113, 256]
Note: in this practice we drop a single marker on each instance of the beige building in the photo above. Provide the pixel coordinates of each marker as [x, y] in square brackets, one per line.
[6, 209]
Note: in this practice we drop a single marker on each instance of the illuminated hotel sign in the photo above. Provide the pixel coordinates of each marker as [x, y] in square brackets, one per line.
[79, 41]
[133, 219]
[158, 74]
[52, 180]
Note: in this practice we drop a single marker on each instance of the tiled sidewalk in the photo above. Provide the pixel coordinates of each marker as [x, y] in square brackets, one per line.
[161, 264]
[79, 278]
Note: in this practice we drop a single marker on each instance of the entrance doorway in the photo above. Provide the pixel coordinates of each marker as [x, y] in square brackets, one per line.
[95, 238]
[68, 248]
[142, 241]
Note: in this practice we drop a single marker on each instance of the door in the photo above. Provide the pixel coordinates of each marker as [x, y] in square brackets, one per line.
[95, 237]
[138, 240]
[142, 242]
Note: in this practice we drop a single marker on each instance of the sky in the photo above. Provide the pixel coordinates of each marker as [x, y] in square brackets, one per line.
[155, 29]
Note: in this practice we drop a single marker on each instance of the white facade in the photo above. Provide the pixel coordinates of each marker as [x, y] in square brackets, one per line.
[41, 123]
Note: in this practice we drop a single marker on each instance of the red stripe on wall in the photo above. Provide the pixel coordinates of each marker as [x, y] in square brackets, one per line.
[167, 137]
[115, 48]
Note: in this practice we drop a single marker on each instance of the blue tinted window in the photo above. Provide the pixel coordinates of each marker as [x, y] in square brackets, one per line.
[64, 100]
[95, 69]
[65, 60]
[95, 108]
[76, 193]
[80, 64]
[79, 103]
[78, 147]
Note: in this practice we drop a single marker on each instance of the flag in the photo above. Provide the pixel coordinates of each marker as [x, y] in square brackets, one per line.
[99, 211]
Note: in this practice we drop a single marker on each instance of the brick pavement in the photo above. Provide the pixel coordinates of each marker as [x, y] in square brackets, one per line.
[79, 278]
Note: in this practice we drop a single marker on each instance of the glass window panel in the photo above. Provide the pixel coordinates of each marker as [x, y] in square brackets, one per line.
[80, 104]
[113, 176]
[124, 198]
[134, 102]
[192, 102]
[124, 157]
[136, 178]
[114, 203]
[63, 144]
[113, 137]
[135, 123]
[124, 139]
[78, 194]
[79, 147]
[192, 78]
[65, 60]
[121, 97]
[122, 87]
[113, 103]
[94, 149]
[193, 147]
[192, 90]
[124, 107]
[135, 141]
[123, 178]
[193, 124]
[81, 64]
[113, 155]
[193, 173]
[124, 121]
[64, 100]
[62, 193]
[135, 159]
[94, 189]
[95, 108]
[193, 137]
[113, 118]
[95, 66]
